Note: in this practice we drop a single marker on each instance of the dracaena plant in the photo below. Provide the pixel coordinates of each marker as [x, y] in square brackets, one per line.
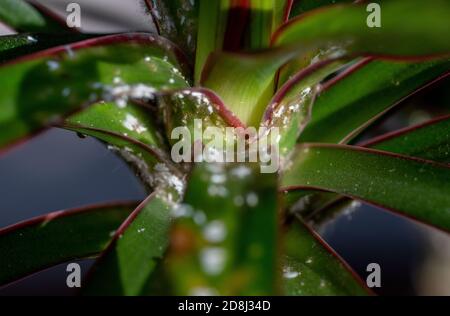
[313, 69]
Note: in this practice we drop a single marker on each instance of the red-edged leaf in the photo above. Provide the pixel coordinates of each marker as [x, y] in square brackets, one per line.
[411, 186]
[187, 107]
[150, 163]
[290, 109]
[235, 25]
[64, 79]
[430, 140]
[57, 237]
[176, 20]
[351, 101]
[407, 25]
[25, 17]
[127, 264]
[311, 267]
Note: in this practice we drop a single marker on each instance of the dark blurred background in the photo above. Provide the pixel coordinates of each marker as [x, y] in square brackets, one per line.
[58, 170]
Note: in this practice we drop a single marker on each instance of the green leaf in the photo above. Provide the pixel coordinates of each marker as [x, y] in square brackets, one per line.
[410, 28]
[414, 187]
[376, 87]
[297, 65]
[266, 16]
[57, 237]
[40, 89]
[14, 46]
[303, 6]
[131, 133]
[211, 29]
[290, 109]
[13, 41]
[236, 25]
[128, 262]
[248, 96]
[134, 135]
[312, 268]
[22, 16]
[195, 109]
[281, 13]
[430, 140]
[177, 21]
[224, 240]
[294, 66]
[150, 163]
[133, 121]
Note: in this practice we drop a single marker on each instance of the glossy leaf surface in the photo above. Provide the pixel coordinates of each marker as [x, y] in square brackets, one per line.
[138, 245]
[416, 188]
[405, 33]
[356, 98]
[22, 16]
[312, 268]
[43, 88]
[430, 140]
[224, 240]
[45, 241]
